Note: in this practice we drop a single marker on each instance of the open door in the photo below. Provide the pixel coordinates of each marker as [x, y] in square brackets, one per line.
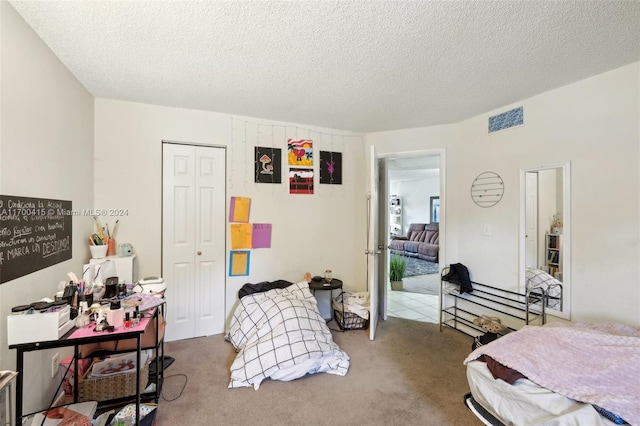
[372, 245]
[531, 220]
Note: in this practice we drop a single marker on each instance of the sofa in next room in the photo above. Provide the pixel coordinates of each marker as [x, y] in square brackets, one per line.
[422, 241]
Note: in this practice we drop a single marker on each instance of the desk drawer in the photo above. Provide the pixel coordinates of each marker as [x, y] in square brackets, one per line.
[40, 327]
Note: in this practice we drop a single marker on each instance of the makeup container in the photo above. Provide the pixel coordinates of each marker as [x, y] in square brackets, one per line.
[122, 290]
[83, 319]
[41, 307]
[115, 314]
[136, 317]
[21, 310]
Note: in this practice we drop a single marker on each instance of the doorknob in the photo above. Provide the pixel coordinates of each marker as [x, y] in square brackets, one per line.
[199, 253]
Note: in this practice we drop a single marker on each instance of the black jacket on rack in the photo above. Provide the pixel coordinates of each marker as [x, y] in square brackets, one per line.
[459, 274]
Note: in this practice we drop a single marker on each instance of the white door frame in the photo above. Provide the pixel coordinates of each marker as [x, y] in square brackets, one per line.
[442, 254]
[531, 220]
[373, 252]
[206, 257]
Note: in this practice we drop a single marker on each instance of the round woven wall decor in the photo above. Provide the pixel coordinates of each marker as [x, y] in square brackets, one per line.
[487, 189]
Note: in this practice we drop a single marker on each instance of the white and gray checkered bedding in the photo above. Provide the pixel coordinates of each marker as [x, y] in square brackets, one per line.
[280, 334]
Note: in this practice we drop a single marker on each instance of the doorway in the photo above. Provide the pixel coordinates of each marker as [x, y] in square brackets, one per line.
[413, 182]
[193, 239]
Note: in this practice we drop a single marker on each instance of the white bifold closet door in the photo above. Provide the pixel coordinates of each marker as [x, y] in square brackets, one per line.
[193, 239]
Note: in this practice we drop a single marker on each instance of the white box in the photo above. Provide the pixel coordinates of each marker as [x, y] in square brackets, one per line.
[42, 327]
[125, 268]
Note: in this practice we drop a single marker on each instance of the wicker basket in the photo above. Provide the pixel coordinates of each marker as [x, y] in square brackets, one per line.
[112, 387]
[347, 320]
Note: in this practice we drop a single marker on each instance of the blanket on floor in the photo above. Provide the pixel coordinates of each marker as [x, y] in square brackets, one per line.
[281, 334]
[595, 363]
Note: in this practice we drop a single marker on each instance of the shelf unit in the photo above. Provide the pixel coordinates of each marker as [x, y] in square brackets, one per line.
[459, 310]
[553, 255]
[70, 341]
[395, 216]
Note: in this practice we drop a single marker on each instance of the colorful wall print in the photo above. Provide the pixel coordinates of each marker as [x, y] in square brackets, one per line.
[300, 152]
[268, 165]
[300, 181]
[331, 168]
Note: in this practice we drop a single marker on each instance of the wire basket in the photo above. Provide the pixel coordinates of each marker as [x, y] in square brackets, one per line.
[112, 387]
[347, 320]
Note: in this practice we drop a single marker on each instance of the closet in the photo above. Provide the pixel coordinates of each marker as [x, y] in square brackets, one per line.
[193, 239]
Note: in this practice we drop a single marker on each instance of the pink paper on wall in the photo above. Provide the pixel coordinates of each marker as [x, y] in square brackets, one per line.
[261, 235]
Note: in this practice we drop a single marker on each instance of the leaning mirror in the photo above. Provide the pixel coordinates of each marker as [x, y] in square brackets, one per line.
[545, 237]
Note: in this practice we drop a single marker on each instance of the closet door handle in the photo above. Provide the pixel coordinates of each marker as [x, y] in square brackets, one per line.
[199, 253]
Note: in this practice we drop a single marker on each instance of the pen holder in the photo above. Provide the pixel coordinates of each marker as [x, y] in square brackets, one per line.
[98, 252]
[111, 247]
[86, 298]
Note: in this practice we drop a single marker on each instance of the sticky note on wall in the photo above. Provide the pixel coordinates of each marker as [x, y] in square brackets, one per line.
[240, 235]
[239, 263]
[239, 209]
[261, 235]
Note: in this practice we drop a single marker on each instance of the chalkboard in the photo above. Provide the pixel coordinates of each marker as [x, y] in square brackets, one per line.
[35, 233]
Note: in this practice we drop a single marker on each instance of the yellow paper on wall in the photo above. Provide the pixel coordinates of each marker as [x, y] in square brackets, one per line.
[240, 235]
[239, 209]
[239, 263]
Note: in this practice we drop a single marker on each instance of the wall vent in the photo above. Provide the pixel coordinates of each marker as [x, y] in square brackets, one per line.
[511, 118]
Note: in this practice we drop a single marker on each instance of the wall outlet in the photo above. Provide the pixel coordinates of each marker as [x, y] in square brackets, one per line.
[55, 362]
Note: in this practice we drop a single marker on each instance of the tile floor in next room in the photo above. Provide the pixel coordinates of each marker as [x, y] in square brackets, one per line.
[413, 306]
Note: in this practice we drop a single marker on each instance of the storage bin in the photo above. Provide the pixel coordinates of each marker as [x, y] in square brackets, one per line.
[347, 320]
[112, 387]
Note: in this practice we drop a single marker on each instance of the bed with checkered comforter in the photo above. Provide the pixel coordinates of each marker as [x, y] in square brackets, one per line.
[280, 334]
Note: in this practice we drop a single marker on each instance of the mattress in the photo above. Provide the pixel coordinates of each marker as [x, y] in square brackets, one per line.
[525, 403]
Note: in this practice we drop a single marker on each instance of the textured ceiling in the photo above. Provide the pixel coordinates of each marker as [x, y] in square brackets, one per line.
[353, 65]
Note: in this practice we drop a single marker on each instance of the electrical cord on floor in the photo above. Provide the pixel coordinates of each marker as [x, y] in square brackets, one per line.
[164, 379]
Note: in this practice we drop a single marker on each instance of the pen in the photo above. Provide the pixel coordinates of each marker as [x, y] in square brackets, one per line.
[115, 229]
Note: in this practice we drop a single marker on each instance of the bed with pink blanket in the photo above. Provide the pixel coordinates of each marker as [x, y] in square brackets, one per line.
[558, 374]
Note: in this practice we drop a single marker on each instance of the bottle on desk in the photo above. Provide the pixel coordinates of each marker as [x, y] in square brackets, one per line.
[115, 314]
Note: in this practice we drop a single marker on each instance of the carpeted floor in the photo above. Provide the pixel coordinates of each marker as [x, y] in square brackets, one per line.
[416, 266]
[411, 374]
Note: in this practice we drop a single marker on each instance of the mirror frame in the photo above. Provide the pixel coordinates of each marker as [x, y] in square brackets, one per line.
[566, 235]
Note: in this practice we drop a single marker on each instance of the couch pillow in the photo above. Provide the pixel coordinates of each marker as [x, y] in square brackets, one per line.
[430, 237]
[418, 236]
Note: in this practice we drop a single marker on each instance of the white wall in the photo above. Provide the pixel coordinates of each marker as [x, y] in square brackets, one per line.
[47, 120]
[46, 151]
[325, 230]
[594, 124]
[416, 198]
